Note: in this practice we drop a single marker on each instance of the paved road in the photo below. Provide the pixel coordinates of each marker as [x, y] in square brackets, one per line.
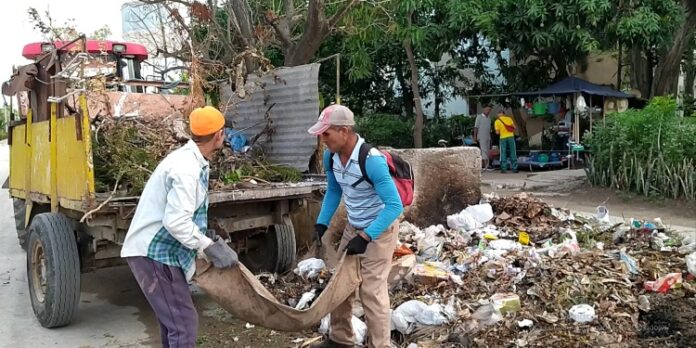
[112, 311]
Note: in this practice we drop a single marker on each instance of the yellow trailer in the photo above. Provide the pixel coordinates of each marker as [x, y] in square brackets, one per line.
[67, 228]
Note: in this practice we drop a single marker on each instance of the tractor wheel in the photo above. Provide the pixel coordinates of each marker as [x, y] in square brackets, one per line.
[53, 269]
[275, 252]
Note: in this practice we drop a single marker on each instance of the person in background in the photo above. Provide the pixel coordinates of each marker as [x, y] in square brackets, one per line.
[505, 128]
[563, 128]
[482, 134]
[170, 227]
[372, 228]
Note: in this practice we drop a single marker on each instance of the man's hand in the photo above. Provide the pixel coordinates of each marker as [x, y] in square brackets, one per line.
[319, 230]
[221, 255]
[357, 245]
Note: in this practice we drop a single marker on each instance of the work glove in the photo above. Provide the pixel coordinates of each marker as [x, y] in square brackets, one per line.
[319, 230]
[220, 254]
[357, 245]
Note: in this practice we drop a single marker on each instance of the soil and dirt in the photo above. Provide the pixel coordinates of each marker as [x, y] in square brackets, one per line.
[669, 323]
[217, 328]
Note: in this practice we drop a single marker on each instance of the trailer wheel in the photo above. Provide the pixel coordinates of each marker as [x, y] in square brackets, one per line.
[19, 215]
[53, 269]
[275, 252]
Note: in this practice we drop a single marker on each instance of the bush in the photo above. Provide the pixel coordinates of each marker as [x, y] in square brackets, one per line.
[4, 120]
[397, 132]
[386, 130]
[450, 129]
[650, 151]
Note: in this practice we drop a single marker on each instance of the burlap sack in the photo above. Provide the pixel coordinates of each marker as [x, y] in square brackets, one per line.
[239, 292]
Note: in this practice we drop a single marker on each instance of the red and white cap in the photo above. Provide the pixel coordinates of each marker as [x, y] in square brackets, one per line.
[334, 115]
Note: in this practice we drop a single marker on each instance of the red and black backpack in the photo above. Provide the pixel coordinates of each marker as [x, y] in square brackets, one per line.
[400, 171]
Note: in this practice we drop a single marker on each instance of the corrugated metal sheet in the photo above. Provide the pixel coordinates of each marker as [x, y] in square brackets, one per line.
[295, 92]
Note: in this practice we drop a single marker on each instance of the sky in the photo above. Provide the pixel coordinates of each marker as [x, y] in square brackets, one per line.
[89, 15]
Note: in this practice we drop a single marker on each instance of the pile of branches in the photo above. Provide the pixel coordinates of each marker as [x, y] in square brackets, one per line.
[127, 149]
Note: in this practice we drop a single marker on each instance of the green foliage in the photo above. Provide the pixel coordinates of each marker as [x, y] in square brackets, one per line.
[386, 130]
[650, 151]
[263, 171]
[397, 132]
[450, 129]
[122, 157]
[4, 120]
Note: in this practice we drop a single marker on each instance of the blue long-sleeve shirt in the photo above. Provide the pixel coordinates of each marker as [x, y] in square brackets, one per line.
[371, 208]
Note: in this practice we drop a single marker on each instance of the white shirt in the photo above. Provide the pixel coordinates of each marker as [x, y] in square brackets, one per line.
[483, 123]
[170, 197]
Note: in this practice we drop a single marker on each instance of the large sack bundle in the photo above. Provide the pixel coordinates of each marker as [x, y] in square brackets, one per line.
[239, 292]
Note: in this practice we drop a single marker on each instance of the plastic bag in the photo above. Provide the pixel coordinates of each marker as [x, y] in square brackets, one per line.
[463, 221]
[663, 284]
[408, 314]
[582, 313]
[306, 299]
[487, 315]
[481, 212]
[359, 329]
[691, 263]
[429, 244]
[602, 215]
[630, 262]
[504, 244]
[309, 268]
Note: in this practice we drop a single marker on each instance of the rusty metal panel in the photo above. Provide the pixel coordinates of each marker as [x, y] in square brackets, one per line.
[295, 93]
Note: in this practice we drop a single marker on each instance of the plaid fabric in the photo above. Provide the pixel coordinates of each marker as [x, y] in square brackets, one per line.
[166, 249]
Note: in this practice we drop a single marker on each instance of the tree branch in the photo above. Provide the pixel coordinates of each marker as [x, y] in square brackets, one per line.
[281, 28]
[341, 13]
[289, 13]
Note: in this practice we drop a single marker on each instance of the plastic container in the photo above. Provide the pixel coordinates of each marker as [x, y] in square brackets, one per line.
[554, 107]
[539, 108]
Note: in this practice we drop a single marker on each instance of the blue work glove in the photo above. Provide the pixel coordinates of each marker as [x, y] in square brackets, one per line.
[357, 245]
[319, 230]
[220, 254]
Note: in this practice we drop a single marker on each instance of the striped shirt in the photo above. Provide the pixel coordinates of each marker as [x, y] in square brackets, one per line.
[369, 208]
[171, 220]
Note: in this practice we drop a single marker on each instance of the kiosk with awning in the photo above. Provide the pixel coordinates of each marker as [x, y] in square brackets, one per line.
[576, 87]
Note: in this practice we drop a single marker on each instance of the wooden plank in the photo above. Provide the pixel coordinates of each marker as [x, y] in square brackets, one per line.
[271, 192]
[265, 193]
[230, 225]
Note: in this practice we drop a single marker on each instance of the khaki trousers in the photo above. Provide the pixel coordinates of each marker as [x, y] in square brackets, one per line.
[375, 265]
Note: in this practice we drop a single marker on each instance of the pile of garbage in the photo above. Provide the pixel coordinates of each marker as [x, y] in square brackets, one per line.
[299, 288]
[515, 272]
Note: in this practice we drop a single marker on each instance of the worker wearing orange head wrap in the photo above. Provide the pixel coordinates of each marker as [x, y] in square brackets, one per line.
[170, 227]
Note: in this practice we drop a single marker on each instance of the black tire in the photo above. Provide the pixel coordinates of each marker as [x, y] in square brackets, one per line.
[285, 247]
[275, 252]
[53, 269]
[19, 216]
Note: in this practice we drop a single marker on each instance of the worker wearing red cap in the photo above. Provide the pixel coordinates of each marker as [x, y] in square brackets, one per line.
[170, 227]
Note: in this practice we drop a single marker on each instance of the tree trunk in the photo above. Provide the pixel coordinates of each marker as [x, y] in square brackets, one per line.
[619, 67]
[640, 72]
[418, 126]
[315, 29]
[405, 92]
[521, 123]
[690, 70]
[689, 79]
[667, 71]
